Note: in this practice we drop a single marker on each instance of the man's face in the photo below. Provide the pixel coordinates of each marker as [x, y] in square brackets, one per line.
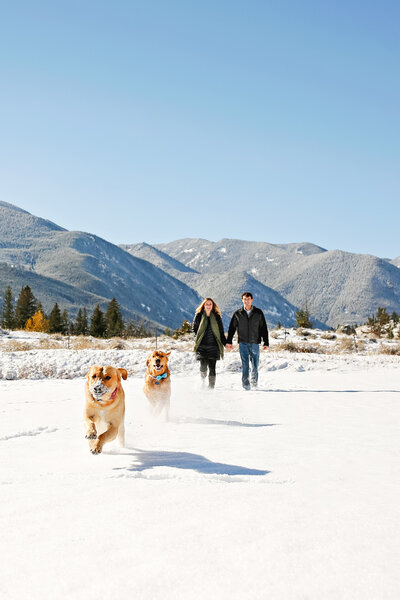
[247, 302]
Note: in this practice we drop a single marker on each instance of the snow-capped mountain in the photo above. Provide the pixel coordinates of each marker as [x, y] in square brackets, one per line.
[225, 288]
[92, 269]
[337, 286]
[164, 283]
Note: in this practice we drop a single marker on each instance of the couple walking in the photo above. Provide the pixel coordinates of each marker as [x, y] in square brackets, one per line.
[251, 327]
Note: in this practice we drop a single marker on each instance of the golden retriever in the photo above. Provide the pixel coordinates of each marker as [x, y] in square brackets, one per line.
[105, 404]
[157, 383]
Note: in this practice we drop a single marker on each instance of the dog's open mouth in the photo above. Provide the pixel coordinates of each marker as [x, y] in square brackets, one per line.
[158, 367]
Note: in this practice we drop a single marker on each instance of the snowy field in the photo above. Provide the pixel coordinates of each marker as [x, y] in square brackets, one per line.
[288, 492]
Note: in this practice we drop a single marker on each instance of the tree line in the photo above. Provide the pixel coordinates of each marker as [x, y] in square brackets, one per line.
[28, 314]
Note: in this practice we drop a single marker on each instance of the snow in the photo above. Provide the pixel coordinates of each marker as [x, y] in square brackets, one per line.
[287, 492]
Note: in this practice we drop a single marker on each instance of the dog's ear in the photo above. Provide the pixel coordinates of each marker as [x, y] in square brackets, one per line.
[168, 353]
[88, 373]
[148, 360]
[123, 372]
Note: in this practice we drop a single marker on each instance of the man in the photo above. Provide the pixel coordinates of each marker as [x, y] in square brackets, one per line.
[251, 327]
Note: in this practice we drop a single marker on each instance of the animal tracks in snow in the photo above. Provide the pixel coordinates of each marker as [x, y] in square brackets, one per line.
[30, 433]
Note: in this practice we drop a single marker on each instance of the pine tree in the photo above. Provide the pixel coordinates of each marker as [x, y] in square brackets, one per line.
[55, 321]
[382, 316]
[81, 323]
[113, 319]
[97, 323]
[26, 307]
[8, 314]
[65, 323]
[303, 317]
[37, 323]
[186, 327]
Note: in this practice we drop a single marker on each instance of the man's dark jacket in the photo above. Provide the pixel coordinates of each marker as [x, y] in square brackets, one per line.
[250, 329]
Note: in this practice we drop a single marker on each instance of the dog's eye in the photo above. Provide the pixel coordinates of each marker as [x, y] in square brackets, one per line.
[93, 376]
[107, 377]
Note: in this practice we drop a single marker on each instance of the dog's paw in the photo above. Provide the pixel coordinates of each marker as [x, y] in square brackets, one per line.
[95, 447]
[91, 436]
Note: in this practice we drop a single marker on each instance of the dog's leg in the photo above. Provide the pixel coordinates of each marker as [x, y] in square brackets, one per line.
[121, 435]
[91, 433]
[96, 446]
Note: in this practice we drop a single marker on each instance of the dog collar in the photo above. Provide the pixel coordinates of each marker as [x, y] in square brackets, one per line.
[114, 393]
[159, 377]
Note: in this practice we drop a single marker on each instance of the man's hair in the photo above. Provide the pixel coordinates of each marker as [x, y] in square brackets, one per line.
[247, 294]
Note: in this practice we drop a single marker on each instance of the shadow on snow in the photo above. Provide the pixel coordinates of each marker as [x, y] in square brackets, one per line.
[148, 459]
[203, 421]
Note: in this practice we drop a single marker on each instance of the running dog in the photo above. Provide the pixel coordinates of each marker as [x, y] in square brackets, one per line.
[105, 406]
[157, 385]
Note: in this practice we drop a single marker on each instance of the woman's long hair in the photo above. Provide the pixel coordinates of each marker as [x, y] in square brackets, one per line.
[214, 308]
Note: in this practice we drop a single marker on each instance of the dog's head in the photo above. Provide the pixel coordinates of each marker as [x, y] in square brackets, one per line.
[103, 381]
[157, 362]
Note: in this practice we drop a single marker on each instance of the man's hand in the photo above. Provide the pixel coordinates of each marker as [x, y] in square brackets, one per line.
[265, 348]
[229, 347]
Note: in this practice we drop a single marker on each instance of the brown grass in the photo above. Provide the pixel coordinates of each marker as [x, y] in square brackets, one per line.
[15, 346]
[392, 350]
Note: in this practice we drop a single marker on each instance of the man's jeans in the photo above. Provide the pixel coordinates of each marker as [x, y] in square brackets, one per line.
[249, 352]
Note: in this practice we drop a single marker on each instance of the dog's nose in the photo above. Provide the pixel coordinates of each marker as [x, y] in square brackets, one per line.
[158, 361]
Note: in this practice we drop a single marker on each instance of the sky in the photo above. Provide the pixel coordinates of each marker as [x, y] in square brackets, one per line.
[159, 120]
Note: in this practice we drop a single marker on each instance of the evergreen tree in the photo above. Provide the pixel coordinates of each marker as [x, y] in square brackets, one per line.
[97, 323]
[8, 314]
[26, 307]
[136, 330]
[55, 321]
[37, 323]
[81, 323]
[382, 316]
[113, 319]
[303, 317]
[65, 323]
[186, 327]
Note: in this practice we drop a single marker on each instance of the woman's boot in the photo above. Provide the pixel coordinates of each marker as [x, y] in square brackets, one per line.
[211, 381]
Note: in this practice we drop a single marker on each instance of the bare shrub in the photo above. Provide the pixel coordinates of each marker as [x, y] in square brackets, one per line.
[117, 344]
[87, 343]
[274, 335]
[314, 348]
[393, 350]
[49, 344]
[15, 346]
[288, 346]
[349, 345]
[328, 336]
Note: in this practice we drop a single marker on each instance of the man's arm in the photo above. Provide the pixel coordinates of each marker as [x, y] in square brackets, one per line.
[231, 332]
[264, 331]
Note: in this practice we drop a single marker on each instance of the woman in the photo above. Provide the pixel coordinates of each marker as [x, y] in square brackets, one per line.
[210, 338]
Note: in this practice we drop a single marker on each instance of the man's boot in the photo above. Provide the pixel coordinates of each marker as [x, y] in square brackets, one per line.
[211, 381]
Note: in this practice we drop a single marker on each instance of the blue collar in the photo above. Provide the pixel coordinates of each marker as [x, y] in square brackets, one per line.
[159, 377]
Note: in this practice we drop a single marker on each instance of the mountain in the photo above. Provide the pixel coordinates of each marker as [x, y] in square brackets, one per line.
[158, 258]
[164, 283]
[225, 288]
[396, 261]
[91, 266]
[337, 286]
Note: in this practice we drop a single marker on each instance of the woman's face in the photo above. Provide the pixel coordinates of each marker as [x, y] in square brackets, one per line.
[208, 306]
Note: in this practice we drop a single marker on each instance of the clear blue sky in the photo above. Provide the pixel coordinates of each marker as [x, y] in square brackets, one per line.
[151, 120]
